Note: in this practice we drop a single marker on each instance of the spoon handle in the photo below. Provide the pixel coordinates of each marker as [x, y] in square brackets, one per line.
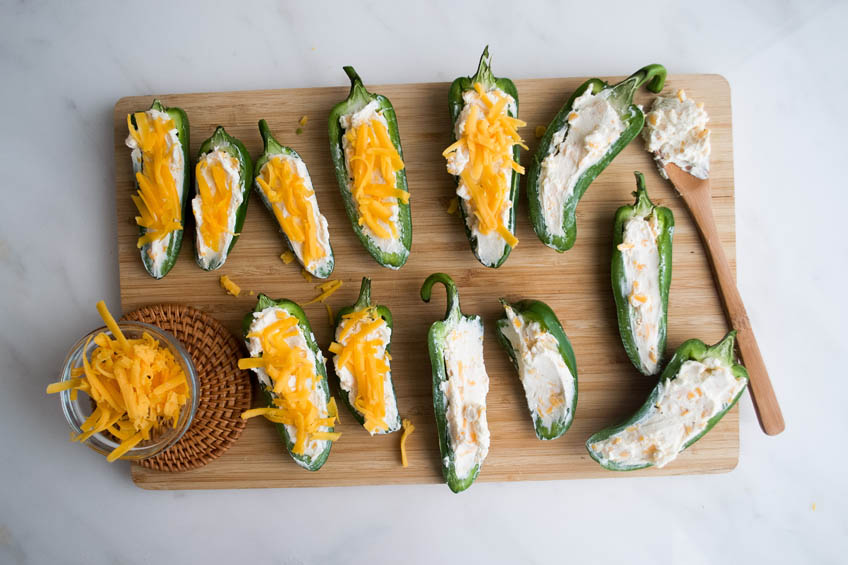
[765, 401]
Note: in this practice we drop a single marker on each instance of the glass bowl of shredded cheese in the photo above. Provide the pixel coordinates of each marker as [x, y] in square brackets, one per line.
[128, 390]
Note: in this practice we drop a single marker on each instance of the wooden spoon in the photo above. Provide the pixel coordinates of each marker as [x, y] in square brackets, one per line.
[698, 197]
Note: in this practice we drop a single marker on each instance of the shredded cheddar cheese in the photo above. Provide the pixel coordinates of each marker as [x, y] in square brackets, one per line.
[374, 163]
[361, 356]
[540, 131]
[228, 285]
[408, 428]
[157, 198]
[303, 120]
[293, 382]
[330, 317]
[287, 257]
[137, 385]
[452, 207]
[215, 197]
[327, 289]
[291, 202]
[488, 138]
[306, 275]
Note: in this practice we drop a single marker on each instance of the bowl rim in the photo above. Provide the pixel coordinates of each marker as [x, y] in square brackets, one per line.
[101, 443]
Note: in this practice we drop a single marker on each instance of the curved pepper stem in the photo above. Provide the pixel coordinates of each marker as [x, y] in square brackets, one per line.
[653, 75]
[724, 348]
[357, 89]
[268, 140]
[453, 310]
[643, 205]
[157, 105]
[364, 300]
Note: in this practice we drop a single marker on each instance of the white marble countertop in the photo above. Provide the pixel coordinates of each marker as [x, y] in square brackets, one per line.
[62, 67]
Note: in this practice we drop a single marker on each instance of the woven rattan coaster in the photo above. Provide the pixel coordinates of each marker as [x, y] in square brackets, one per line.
[224, 389]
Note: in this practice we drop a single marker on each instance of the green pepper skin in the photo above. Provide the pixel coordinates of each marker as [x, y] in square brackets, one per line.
[229, 144]
[273, 147]
[436, 343]
[358, 98]
[665, 222]
[538, 311]
[455, 103]
[363, 302]
[181, 123]
[633, 118]
[293, 309]
[693, 349]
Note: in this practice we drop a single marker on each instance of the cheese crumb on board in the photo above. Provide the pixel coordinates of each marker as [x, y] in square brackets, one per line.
[228, 285]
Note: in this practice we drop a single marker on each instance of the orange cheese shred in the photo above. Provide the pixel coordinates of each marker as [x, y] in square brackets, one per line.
[136, 384]
[374, 164]
[488, 138]
[157, 198]
[360, 354]
[408, 428]
[327, 289]
[291, 202]
[228, 285]
[293, 383]
[215, 188]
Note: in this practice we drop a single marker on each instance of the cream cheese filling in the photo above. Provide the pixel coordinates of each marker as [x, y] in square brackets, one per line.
[677, 133]
[548, 383]
[591, 128]
[683, 408]
[465, 393]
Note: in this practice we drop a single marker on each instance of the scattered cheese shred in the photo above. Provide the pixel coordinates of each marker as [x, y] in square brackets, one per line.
[302, 120]
[408, 428]
[361, 356]
[488, 139]
[540, 131]
[157, 198]
[330, 316]
[453, 206]
[374, 163]
[327, 289]
[287, 257]
[228, 285]
[306, 275]
[293, 207]
[215, 188]
[136, 384]
[293, 384]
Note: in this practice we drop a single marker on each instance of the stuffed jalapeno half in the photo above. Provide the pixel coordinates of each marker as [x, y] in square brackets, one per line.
[593, 126]
[159, 139]
[284, 185]
[222, 187]
[460, 386]
[537, 345]
[484, 159]
[641, 277]
[362, 359]
[368, 161]
[291, 373]
[697, 388]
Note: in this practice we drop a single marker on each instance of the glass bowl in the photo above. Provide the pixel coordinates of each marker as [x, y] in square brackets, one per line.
[76, 411]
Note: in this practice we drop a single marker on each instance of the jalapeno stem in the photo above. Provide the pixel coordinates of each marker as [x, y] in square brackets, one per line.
[452, 310]
[364, 300]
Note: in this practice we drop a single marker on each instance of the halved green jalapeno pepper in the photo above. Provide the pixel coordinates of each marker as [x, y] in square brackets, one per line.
[691, 350]
[437, 342]
[175, 238]
[528, 312]
[379, 312]
[322, 269]
[621, 99]
[263, 302]
[358, 99]
[634, 319]
[222, 141]
[456, 103]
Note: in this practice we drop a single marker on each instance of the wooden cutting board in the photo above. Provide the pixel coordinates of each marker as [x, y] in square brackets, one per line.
[575, 284]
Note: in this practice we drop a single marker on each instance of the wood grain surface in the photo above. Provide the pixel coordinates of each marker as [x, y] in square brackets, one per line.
[575, 284]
